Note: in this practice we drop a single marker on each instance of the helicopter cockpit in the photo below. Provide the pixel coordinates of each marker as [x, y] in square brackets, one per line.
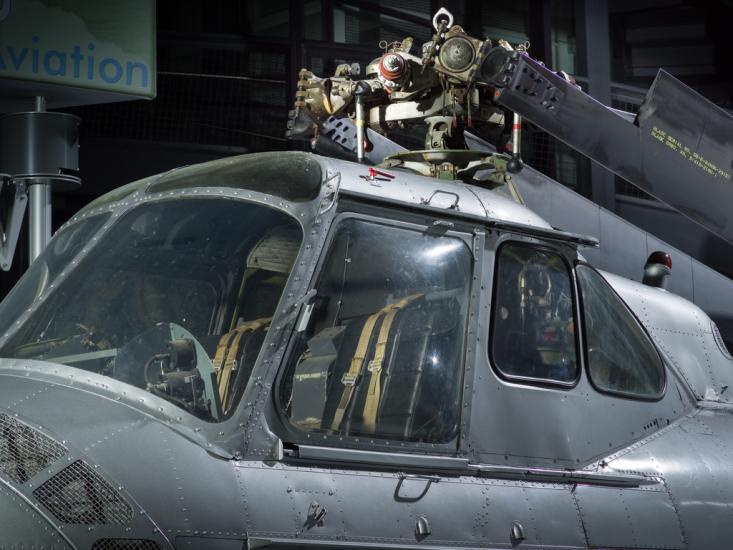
[175, 293]
[176, 298]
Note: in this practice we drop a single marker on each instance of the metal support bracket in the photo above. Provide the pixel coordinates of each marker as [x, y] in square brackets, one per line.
[10, 227]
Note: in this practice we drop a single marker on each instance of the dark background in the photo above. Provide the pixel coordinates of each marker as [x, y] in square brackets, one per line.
[227, 72]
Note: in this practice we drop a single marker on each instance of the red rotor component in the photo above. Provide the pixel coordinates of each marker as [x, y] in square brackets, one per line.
[392, 66]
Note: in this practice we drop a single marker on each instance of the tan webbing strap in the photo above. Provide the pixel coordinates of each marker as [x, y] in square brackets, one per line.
[371, 405]
[357, 363]
[226, 354]
[221, 351]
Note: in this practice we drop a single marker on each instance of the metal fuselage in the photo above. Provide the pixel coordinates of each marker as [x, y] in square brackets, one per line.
[532, 465]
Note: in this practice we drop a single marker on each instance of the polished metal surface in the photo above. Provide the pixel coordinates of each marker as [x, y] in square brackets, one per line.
[535, 466]
[628, 447]
[39, 218]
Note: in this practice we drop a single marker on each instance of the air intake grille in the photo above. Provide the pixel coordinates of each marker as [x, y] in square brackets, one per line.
[125, 544]
[24, 451]
[77, 494]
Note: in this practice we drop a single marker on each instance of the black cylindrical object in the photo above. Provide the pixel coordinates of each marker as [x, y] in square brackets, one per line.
[40, 146]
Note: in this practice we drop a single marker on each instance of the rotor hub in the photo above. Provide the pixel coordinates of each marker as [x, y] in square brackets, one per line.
[392, 69]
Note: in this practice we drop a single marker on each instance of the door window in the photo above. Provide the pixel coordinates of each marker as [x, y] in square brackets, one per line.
[382, 355]
[533, 334]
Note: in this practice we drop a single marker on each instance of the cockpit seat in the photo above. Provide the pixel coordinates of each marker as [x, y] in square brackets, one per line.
[235, 357]
[382, 371]
[268, 264]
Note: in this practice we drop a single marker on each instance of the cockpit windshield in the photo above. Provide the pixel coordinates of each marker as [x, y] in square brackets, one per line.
[176, 298]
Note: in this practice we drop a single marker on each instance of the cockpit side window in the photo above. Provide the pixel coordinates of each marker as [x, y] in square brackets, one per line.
[533, 332]
[383, 353]
[621, 358]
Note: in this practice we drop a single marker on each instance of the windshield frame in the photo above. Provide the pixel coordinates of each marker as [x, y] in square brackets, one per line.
[313, 221]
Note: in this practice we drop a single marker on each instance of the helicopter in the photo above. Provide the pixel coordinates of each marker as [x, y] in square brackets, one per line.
[286, 350]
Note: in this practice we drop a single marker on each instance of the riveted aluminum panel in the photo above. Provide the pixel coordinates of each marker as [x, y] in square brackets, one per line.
[542, 425]
[383, 508]
[209, 543]
[187, 480]
[547, 513]
[411, 188]
[66, 410]
[166, 477]
[684, 333]
[629, 518]
[694, 458]
[502, 208]
[23, 527]
[539, 426]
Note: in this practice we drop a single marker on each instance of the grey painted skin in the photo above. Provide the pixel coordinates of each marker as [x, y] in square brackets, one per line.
[535, 466]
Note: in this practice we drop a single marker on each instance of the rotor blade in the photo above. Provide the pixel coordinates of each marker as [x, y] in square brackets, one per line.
[687, 153]
[680, 150]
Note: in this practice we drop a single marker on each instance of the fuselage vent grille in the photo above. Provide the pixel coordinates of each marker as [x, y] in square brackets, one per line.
[78, 494]
[24, 451]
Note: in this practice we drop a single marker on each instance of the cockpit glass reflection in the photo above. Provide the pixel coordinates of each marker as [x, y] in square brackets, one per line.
[176, 298]
[621, 358]
[383, 353]
[533, 333]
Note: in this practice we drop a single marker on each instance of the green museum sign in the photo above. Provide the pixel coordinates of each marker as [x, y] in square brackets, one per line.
[101, 48]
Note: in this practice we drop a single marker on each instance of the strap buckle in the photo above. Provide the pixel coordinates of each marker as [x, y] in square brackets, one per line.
[349, 379]
[375, 366]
